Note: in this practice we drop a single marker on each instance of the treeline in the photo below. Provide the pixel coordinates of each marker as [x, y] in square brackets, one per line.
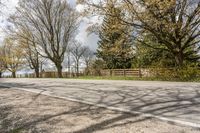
[148, 34]
[43, 30]
[142, 33]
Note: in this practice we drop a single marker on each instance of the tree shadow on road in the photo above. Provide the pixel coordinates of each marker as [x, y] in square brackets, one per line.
[11, 123]
[173, 103]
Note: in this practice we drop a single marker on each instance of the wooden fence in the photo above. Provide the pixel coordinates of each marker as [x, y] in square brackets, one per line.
[122, 72]
[143, 72]
[106, 72]
[50, 74]
[146, 72]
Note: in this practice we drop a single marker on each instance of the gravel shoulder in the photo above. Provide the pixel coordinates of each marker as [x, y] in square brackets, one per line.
[22, 112]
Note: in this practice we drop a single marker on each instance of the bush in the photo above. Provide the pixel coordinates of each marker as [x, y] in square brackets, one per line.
[176, 74]
[187, 74]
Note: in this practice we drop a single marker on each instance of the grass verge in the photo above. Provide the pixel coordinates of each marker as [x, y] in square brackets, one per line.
[134, 78]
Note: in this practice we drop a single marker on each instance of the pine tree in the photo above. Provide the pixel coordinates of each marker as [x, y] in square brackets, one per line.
[115, 44]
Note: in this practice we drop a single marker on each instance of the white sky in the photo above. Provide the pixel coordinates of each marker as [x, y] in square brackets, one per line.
[7, 9]
[82, 35]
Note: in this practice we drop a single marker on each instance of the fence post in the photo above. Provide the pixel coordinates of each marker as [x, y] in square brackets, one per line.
[140, 73]
[110, 72]
[124, 72]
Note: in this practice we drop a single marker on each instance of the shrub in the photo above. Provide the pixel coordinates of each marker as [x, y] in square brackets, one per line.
[176, 74]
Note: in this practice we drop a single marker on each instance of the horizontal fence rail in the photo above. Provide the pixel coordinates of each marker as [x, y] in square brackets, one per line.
[138, 73]
[122, 72]
[51, 74]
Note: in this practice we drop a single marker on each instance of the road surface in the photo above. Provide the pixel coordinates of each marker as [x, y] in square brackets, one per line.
[172, 101]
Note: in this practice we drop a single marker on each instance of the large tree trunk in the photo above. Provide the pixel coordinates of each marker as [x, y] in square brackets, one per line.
[69, 68]
[14, 74]
[87, 69]
[0, 74]
[77, 69]
[179, 59]
[37, 72]
[59, 70]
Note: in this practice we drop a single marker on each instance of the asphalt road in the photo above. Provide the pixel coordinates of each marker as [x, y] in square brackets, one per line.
[172, 101]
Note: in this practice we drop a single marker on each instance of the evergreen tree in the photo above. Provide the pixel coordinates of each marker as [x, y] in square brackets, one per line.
[115, 44]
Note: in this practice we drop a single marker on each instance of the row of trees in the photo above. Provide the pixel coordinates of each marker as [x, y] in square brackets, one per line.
[165, 33]
[19, 55]
[42, 30]
[133, 33]
[49, 23]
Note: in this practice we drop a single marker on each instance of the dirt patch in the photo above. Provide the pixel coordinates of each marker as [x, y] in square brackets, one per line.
[22, 112]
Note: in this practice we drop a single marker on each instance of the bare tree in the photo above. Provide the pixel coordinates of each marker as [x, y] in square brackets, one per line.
[88, 57]
[53, 23]
[12, 56]
[28, 44]
[68, 61]
[24, 33]
[2, 63]
[77, 51]
[31, 54]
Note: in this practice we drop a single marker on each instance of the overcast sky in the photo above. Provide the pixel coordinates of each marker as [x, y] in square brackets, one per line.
[82, 36]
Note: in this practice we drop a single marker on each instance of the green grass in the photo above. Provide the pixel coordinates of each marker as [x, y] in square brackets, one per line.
[107, 78]
[131, 78]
